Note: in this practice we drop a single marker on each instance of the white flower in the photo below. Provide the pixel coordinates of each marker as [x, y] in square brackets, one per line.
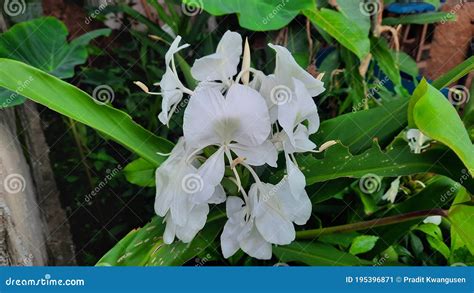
[266, 219]
[240, 230]
[172, 88]
[286, 69]
[433, 220]
[392, 192]
[417, 140]
[222, 65]
[238, 122]
[182, 194]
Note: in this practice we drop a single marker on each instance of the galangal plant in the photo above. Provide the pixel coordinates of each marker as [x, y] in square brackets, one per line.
[255, 166]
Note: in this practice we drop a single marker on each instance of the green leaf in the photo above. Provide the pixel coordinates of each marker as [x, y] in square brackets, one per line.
[406, 63]
[385, 59]
[140, 172]
[439, 246]
[145, 247]
[462, 222]
[431, 230]
[420, 18]
[356, 82]
[398, 160]
[435, 116]
[342, 29]
[257, 15]
[42, 43]
[358, 130]
[363, 244]
[454, 74]
[70, 101]
[316, 254]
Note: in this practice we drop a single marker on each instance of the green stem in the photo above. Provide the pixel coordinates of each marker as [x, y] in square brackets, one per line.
[311, 234]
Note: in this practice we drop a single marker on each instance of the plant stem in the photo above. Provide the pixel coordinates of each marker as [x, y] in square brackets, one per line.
[315, 233]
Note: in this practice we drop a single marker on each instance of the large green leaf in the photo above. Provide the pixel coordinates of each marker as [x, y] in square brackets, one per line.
[43, 44]
[461, 217]
[316, 254]
[145, 247]
[257, 15]
[70, 101]
[397, 160]
[357, 130]
[420, 18]
[455, 74]
[342, 29]
[435, 116]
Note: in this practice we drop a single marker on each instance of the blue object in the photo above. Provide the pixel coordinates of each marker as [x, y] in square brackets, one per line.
[410, 8]
[371, 279]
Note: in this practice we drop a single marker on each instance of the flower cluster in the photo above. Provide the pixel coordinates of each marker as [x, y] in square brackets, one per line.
[245, 122]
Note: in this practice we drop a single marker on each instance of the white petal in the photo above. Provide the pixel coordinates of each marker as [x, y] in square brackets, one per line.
[265, 153]
[196, 221]
[234, 207]
[296, 178]
[286, 67]
[170, 231]
[296, 208]
[218, 196]
[221, 65]
[202, 117]
[248, 121]
[229, 242]
[255, 245]
[433, 220]
[270, 220]
[307, 109]
[212, 171]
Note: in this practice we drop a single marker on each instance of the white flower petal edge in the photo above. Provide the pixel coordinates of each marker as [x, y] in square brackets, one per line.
[287, 69]
[221, 65]
[171, 87]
